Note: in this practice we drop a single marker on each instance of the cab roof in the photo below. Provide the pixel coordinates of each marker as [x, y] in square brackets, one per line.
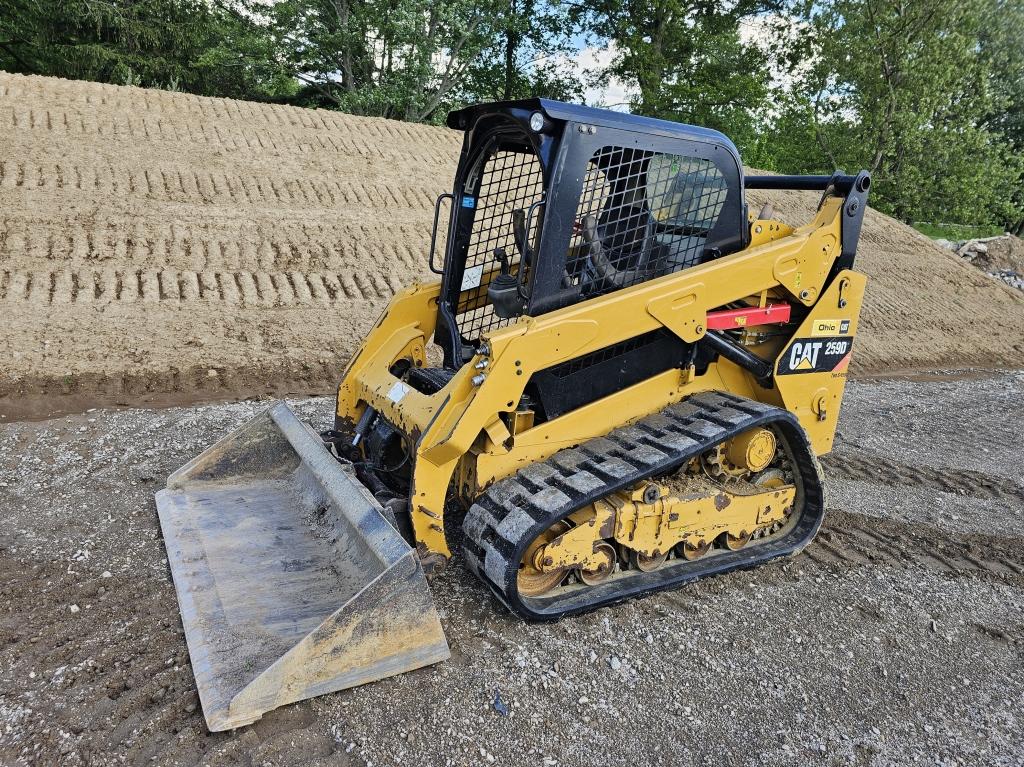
[466, 118]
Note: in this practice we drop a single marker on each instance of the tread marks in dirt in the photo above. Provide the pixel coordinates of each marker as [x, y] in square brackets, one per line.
[244, 288]
[876, 468]
[852, 540]
[183, 184]
[114, 686]
[123, 681]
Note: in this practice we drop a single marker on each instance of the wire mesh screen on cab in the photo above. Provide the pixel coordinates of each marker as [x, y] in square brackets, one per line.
[641, 215]
[509, 181]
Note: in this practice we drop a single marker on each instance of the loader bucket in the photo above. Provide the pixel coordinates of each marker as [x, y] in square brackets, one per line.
[291, 580]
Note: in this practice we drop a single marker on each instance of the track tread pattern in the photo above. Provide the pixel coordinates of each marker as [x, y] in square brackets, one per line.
[540, 494]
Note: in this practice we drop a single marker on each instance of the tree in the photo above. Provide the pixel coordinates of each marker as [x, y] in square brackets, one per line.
[192, 45]
[392, 58]
[529, 59]
[1002, 45]
[901, 88]
[686, 60]
[416, 59]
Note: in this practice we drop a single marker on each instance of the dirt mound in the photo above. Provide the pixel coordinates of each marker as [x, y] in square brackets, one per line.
[161, 247]
[1000, 257]
[1006, 252]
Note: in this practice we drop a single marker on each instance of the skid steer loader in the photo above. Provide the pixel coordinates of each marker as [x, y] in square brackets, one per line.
[620, 382]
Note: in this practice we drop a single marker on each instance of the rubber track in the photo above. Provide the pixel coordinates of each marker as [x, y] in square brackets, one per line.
[512, 512]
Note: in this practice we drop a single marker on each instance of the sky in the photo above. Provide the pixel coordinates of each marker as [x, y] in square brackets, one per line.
[616, 94]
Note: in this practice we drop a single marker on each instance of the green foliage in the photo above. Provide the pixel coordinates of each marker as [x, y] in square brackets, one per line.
[904, 90]
[190, 45]
[526, 59]
[416, 59]
[685, 60]
[1002, 46]
[957, 232]
[786, 141]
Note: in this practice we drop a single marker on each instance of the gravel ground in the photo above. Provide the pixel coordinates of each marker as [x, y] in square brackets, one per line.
[896, 638]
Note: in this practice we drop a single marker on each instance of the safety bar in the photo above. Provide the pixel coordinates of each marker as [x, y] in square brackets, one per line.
[842, 183]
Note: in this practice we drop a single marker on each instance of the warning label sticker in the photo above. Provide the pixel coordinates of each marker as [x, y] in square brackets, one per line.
[398, 392]
[472, 277]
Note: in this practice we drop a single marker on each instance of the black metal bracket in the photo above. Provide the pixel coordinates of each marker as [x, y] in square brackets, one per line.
[734, 352]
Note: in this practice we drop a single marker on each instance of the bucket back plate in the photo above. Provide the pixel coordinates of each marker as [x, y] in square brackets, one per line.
[291, 581]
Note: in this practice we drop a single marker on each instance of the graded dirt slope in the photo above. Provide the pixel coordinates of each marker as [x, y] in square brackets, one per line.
[154, 243]
[160, 247]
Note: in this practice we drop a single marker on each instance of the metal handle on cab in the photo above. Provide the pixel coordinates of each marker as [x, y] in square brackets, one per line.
[532, 249]
[433, 233]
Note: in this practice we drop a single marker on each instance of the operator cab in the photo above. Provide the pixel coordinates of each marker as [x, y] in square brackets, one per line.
[554, 204]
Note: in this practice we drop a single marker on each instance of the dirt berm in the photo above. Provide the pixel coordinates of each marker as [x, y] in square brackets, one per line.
[161, 247]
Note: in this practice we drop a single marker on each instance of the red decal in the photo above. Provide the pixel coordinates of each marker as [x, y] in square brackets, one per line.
[730, 319]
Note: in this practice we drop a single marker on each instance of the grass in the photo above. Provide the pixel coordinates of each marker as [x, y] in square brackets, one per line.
[956, 232]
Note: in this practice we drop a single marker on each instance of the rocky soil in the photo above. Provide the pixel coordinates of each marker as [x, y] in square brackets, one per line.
[1001, 257]
[896, 638]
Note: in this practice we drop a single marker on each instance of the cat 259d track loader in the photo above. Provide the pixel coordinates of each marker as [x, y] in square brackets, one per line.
[631, 383]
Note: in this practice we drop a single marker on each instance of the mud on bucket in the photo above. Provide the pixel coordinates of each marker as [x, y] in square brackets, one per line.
[291, 581]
